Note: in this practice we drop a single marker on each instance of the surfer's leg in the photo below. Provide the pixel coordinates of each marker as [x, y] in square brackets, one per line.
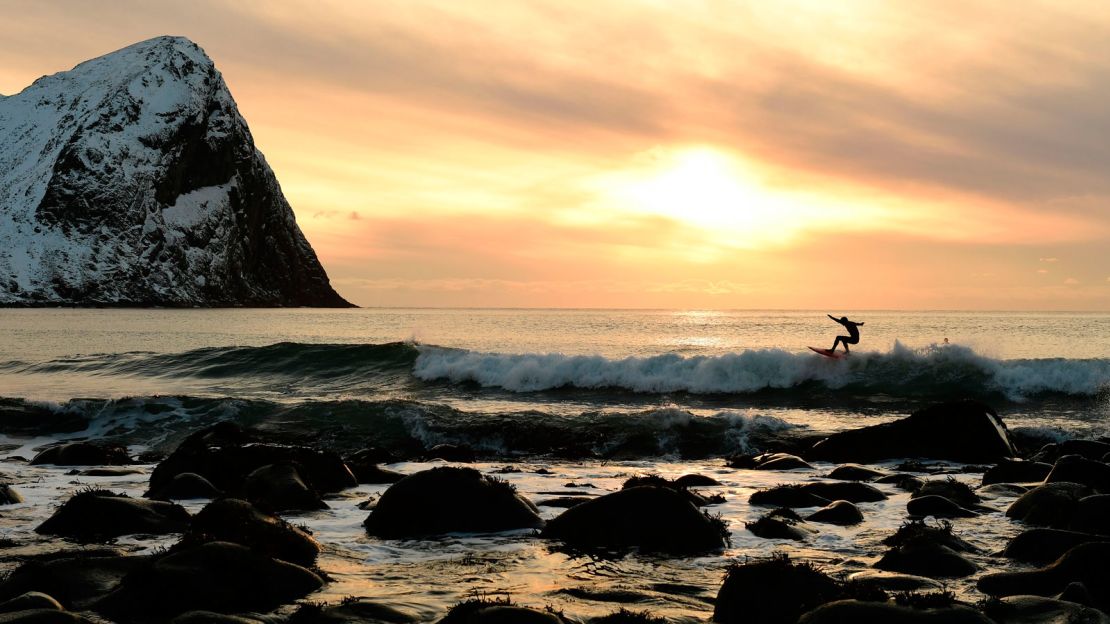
[839, 339]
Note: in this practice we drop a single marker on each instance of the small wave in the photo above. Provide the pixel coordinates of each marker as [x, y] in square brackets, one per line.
[938, 370]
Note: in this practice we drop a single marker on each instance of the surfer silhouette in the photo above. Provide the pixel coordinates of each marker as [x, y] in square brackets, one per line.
[853, 333]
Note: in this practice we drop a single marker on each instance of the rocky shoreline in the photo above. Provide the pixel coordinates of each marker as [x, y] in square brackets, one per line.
[209, 533]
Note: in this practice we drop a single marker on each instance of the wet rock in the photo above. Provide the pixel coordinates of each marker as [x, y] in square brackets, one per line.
[923, 550]
[936, 506]
[657, 481]
[217, 576]
[964, 431]
[1051, 504]
[9, 495]
[1016, 471]
[349, 611]
[211, 617]
[280, 487]
[696, 480]
[846, 490]
[106, 472]
[75, 581]
[239, 522]
[563, 502]
[769, 461]
[495, 612]
[624, 616]
[904, 482]
[448, 500]
[841, 513]
[1088, 564]
[1091, 449]
[781, 524]
[1092, 515]
[893, 582]
[83, 454]
[1039, 610]
[185, 486]
[955, 491]
[100, 514]
[855, 472]
[772, 591]
[1046, 545]
[1078, 469]
[30, 600]
[1002, 489]
[364, 465]
[451, 453]
[859, 612]
[42, 616]
[787, 496]
[649, 518]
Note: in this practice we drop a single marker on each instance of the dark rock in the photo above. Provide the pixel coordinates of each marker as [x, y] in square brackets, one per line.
[217, 576]
[364, 465]
[42, 616]
[1092, 515]
[83, 454]
[9, 495]
[106, 472]
[772, 591]
[923, 550]
[280, 487]
[696, 480]
[186, 486]
[495, 612]
[859, 612]
[769, 461]
[841, 513]
[1051, 504]
[1046, 545]
[239, 522]
[99, 514]
[657, 481]
[1078, 469]
[211, 617]
[845, 490]
[855, 472]
[564, 502]
[451, 453]
[1002, 489]
[905, 482]
[350, 611]
[650, 518]
[787, 496]
[965, 431]
[1038, 610]
[74, 581]
[30, 600]
[936, 506]
[893, 582]
[449, 500]
[1016, 471]
[624, 616]
[1088, 564]
[781, 524]
[1091, 449]
[955, 491]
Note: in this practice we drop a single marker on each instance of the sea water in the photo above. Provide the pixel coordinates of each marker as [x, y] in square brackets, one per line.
[661, 392]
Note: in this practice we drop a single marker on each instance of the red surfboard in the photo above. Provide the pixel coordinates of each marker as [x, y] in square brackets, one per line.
[832, 355]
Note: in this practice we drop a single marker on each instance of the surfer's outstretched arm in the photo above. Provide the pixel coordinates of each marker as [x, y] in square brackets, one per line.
[833, 318]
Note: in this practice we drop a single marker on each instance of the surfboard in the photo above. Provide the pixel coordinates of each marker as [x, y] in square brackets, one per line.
[832, 355]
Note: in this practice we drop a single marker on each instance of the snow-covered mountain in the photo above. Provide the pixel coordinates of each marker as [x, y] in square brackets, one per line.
[133, 180]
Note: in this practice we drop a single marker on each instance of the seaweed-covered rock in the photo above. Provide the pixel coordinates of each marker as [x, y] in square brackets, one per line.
[855, 472]
[239, 522]
[99, 514]
[860, 612]
[1016, 471]
[217, 576]
[841, 513]
[83, 454]
[781, 524]
[185, 486]
[349, 611]
[1088, 564]
[498, 612]
[649, 518]
[652, 480]
[955, 491]
[931, 551]
[1078, 469]
[816, 494]
[280, 487]
[1046, 545]
[772, 591]
[964, 431]
[76, 581]
[449, 500]
[1051, 504]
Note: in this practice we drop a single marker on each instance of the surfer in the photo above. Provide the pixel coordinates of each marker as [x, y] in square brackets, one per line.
[853, 333]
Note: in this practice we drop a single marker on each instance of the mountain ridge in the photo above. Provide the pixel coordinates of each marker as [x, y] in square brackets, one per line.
[133, 180]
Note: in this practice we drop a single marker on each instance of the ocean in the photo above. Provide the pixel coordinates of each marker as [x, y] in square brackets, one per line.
[582, 397]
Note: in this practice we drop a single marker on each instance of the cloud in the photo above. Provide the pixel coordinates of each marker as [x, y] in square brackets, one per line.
[1071, 281]
[1049, 259]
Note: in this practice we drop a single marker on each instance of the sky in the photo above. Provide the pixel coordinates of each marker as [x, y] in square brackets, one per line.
[661, 154]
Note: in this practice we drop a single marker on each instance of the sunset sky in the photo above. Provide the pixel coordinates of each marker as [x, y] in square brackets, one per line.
[834, 155]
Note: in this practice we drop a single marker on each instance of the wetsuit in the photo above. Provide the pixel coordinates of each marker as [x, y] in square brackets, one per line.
[853, 333]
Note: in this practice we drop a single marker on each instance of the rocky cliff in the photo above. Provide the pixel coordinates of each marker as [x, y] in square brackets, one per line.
[132, 179]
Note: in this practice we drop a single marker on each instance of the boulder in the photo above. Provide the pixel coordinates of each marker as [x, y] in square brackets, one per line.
[42, 616]
[1051, 504]
[652, 519]
[902, 481]
[787, 496]
[83, 454]
[657, 481]
[495, 612]
[1016, 471]
[30, 600]
[1088, 564]
[364, 466]
[781, 524]
[772, 591]
[1078, 469]
[964, 431]
[280, 487]
[1039, 610]
[923, 550]
[955, 491]
[239, 522]
[185, 486]
[349, 611]
[769, 461]
[696, 480]
[1046, 545]
[936, 506]
[100, 514]
[449, 500]
[1091, 449]
[216, 576]
[855, 472]
[841, 513]
[845, 490]
[75, 581]
[893, 582]
[859, 612]
[1092, 515]
[211, 617]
